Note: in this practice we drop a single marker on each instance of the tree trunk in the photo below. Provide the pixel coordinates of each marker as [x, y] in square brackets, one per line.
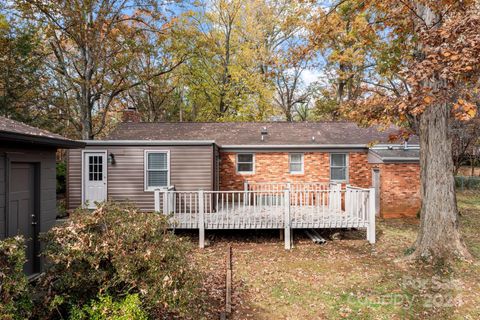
[439, 235]
[86, 121]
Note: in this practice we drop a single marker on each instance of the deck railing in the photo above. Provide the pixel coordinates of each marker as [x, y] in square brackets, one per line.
[270, 209]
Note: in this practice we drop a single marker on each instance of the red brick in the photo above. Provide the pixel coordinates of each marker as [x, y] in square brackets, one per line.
[400, 182]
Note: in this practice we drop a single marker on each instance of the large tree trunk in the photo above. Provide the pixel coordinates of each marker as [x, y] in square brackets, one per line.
[439, 235]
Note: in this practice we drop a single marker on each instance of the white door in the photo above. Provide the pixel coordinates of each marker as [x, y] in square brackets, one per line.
[94, 178]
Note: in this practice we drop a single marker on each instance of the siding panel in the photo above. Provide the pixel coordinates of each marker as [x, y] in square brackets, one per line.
[190, 169]
[45, 157]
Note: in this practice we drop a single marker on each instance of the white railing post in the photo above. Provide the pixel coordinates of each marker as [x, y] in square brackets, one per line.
[165, 202]
[371, 216]
[287, 235]
[245, 193]
[201, 220]
[157, 200]
[348, 201]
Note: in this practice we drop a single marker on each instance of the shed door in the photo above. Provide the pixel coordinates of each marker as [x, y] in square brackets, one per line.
[23, 208]
[94, 178]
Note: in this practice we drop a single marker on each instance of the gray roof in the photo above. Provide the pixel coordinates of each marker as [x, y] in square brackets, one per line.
[250, 133]
[14, 131]
[396, 155]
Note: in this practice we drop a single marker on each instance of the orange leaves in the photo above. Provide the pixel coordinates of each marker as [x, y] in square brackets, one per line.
[464, 110]
[428, 100]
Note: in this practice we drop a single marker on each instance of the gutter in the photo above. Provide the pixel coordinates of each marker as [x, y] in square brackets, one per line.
[148, 142]
[40, 140]
[398, 159]
[295, 146]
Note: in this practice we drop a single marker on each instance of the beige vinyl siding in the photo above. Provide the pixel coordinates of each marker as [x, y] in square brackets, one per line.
[191, 168]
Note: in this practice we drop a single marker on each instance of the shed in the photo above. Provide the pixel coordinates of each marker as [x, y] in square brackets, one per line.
[28, 183]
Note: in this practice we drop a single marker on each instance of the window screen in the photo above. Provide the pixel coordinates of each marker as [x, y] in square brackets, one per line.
[157, 169]
[245, 162]
[296, 162]
[338, 167]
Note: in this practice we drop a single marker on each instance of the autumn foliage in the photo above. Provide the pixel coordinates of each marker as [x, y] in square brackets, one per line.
[117, 251]
[447, 54]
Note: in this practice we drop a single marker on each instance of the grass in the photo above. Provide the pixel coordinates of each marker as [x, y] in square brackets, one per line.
[347, 278]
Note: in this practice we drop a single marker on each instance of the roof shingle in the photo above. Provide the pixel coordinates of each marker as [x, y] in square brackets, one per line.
[249, 133]
[16, 131]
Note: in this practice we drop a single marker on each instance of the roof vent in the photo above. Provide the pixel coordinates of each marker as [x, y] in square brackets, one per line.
[405, 145]
[313, 138]
[264, 131]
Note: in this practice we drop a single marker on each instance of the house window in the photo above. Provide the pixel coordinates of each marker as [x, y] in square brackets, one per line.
[156, 169]
[296, 162]
[338, 167]
[245, 163]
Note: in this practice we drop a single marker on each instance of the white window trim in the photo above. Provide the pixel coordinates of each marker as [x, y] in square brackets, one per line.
[347, 167]
[253, 163]
[302, 171]
[145, 169]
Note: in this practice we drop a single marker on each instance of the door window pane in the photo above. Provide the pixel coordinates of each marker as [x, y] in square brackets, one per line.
[95, 168]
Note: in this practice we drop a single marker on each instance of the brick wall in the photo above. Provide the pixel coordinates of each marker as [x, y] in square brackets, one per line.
[400, 190]
[273, 167]
[400, 182]
[360, 171]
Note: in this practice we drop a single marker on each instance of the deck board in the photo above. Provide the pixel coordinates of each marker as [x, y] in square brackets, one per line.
[268, 217]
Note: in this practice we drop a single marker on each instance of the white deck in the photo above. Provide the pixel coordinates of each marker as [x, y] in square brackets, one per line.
[268, 217]
[274, 206]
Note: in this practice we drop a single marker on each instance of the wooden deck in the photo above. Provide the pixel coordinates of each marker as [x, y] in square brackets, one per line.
[268, 217]
[274, 208]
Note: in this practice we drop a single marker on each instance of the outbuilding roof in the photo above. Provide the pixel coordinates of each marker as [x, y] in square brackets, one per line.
[14, 131]
[394, 155]
[240, 134]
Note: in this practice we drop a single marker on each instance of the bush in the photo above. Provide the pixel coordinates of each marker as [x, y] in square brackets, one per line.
[15, 302]
[467, 183]
[118, 250]
[61, 177]
[104, 308]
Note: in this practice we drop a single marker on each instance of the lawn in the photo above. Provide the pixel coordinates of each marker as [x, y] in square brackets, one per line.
[345, 278]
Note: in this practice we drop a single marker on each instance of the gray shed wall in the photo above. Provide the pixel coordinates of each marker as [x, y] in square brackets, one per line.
[191, 168]
[45, 157]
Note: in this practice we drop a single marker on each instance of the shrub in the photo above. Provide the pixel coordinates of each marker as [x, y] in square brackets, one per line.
[15, 302]
[105, 308]
[61, 177]
[118, 250]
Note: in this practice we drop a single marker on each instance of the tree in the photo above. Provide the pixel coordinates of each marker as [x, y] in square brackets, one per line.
[91, 49]
[290, 91]
[437, 50]
[465, 138]
[346, 40]
[21, 70]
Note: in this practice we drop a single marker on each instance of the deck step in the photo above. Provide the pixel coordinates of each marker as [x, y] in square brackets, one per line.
[315, 236]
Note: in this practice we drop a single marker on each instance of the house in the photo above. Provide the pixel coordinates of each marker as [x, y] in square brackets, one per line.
[28, 183]
[246, 167]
